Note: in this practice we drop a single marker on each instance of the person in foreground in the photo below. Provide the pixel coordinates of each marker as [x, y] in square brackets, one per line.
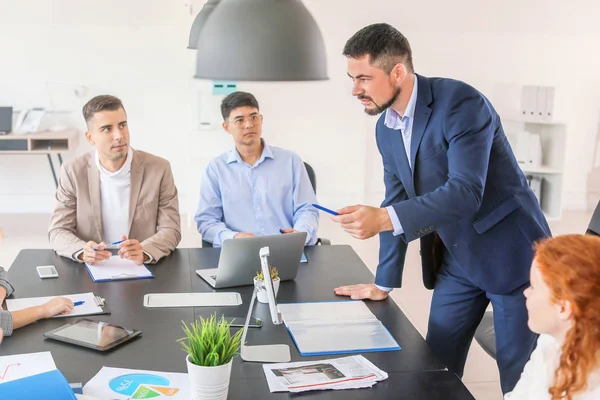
[452, 182]
[10, 321]
[254, 189]
[114, 194]
[563, 302]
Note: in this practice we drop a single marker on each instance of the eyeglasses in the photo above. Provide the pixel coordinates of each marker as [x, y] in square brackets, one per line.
[241, 122]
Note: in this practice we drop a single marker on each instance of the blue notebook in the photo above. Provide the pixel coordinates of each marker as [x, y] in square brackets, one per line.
[50, 385]
[335, 327]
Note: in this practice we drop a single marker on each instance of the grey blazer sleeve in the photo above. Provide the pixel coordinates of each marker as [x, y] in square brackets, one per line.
[5, 283]
[6, 322]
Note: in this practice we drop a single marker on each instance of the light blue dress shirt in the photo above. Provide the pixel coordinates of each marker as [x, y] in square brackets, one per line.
[404, 124]
[273, 193]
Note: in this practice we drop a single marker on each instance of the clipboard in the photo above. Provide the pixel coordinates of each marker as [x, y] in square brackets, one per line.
[117, 269]
[95, 305]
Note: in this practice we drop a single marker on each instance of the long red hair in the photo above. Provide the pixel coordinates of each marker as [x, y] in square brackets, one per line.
[570, 266]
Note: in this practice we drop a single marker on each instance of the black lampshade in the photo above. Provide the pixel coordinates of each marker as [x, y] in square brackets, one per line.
[260, 40]
[198, 24]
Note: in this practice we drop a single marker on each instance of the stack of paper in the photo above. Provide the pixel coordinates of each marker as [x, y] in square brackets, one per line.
[353, 372]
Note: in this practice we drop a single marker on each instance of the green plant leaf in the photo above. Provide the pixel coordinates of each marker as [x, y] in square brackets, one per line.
[209, 342]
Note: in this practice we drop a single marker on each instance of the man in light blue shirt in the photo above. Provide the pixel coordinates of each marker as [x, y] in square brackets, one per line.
[254, 189]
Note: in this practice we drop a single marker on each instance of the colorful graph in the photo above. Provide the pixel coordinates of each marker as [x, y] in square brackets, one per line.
[4, 373]
[142, 386]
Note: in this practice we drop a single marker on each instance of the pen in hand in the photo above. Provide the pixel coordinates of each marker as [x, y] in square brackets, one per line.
[78, 303]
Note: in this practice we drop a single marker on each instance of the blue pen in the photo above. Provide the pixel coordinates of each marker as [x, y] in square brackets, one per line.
[280, 230]
[110, 246]
[114, 244]
[78, 303]
[327, 210]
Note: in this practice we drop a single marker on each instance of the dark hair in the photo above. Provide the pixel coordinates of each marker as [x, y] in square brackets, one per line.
[236, 100]
[385, 45]
[101, 103]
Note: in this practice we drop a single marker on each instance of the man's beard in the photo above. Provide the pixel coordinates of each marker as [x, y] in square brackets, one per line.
[378, 109]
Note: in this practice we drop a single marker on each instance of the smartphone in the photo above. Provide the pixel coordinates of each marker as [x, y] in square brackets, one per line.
[47, 271]
[238, 322]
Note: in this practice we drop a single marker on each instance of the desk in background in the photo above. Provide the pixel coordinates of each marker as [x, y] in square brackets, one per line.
[414, 372]
[41, 143]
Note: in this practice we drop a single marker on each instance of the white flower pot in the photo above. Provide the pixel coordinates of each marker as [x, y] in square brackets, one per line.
[209, 383]
[262, 293]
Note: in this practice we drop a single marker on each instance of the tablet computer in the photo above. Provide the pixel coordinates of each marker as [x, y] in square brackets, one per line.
[96, 335]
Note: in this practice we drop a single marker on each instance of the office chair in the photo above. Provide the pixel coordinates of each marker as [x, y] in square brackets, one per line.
[313, 181]
[485, 335]
[594, 226]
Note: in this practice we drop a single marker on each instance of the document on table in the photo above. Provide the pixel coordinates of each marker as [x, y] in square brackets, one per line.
[352, 372]
[116, 269]
[89, 306]
[21, 366]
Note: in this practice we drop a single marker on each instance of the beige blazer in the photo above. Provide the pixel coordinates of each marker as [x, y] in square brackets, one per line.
[153, 206]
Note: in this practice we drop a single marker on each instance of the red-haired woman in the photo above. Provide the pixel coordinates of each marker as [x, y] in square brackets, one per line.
[563, 303]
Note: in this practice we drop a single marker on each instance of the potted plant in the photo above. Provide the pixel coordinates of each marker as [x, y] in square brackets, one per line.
[210, 347]
[262, 293]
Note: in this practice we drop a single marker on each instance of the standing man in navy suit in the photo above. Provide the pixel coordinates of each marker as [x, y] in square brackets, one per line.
[453, 182]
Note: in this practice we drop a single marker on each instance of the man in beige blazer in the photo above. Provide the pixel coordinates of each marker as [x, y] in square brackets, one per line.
[114, 193]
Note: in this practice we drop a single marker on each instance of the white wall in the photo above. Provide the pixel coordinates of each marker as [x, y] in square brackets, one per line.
[137, 51]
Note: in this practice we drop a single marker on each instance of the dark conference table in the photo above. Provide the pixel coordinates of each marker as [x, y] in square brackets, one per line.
[414, 372]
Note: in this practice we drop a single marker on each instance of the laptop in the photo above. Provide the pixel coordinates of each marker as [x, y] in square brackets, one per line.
[239, 260]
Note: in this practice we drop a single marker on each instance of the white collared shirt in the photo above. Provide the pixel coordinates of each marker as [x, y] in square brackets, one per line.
[538, 375]
[115, 192]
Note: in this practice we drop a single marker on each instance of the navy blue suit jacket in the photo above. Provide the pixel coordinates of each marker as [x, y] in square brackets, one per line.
[465, 188]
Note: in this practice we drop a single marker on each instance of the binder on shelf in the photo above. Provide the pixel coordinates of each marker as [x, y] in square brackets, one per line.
[540, 104]
[335, 327]
[549, 105]
[528, 102]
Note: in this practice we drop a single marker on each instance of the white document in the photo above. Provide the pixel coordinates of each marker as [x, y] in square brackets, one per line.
[335, 327]
[352, 372]
[124, 384]
[23, 365]
[88, 307]
[116, 268]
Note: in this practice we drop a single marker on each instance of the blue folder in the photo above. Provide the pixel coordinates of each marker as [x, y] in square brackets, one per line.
[330, 327]
[50, 385]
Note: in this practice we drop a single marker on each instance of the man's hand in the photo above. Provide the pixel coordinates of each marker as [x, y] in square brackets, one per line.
[1, 335]
[288, 230]
[94, 252]
[131, 249]
[243, 235]
[2, 295]
[56, 306]
[363, 222]
[362, 291]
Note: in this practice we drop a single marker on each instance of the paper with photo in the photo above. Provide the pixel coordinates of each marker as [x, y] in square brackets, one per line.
[351, 372]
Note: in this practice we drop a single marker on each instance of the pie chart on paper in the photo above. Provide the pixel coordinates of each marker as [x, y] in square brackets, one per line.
[143, 386]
